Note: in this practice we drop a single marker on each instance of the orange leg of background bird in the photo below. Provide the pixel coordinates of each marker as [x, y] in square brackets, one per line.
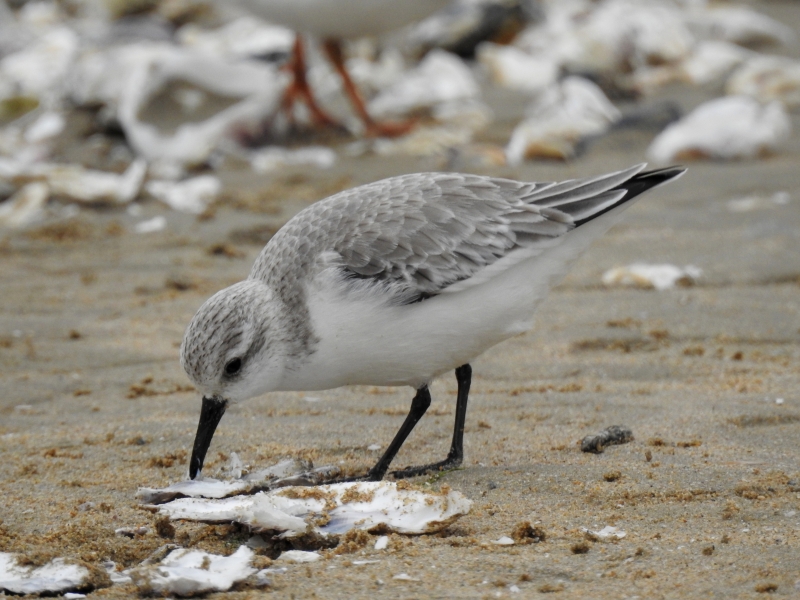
[374, 129]
[299, 89]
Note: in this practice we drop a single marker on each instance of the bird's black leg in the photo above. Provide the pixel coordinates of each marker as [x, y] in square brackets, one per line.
[420, 403]
[456, 454]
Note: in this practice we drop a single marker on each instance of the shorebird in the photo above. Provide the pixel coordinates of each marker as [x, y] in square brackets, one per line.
[332, 21]
[395, 283]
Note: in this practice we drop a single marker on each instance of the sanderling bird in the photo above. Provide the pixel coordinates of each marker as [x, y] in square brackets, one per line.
[394, 283]
[332, 21]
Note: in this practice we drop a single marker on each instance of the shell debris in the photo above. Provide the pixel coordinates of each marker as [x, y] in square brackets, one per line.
[341, 507]
[610, 436]
[299, 556]
[606, 534]
[658, 277]
[55, 577]
[283, 474]
[733, 127]
[189, 572]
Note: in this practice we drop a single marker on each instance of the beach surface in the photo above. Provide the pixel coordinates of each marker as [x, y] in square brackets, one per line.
[94, 403]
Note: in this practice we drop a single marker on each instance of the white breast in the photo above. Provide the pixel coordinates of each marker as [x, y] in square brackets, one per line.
[343, 18]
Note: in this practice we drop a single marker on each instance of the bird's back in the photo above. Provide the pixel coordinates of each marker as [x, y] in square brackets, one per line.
[460, 261]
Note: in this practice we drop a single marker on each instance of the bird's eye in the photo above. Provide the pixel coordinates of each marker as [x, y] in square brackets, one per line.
[233, 366]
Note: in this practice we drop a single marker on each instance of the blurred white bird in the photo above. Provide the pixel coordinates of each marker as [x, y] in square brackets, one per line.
[332, 21]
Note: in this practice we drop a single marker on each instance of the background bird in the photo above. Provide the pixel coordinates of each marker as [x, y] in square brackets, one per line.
[332, 21]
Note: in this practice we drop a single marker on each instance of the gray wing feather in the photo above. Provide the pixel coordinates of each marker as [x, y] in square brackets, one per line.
[424, 232]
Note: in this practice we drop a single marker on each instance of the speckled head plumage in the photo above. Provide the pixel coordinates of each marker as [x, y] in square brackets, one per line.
[227, 345]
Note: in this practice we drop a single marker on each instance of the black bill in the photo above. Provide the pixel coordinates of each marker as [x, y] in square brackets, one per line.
[210, 414]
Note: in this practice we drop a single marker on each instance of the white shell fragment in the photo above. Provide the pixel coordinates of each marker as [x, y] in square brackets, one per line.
[299, 556]
[382, 542]
[74, 182]
[768, 78]
[25, 206]
[620, 32]
[440, 78]
[456, 124]
[712, 60]
[274, 158]
[116, 576]
[516, 69]
[198, 488]
[341, 506]
[189, 572]
[283, 474]
[190, 196]
[46, 126]
[740, 25]
[606, 534]
[503, 541]
[734, 127]
[56, 577]
[154, 225]
[559, 119]
[40, 69]
[256, 87]
[658, 277]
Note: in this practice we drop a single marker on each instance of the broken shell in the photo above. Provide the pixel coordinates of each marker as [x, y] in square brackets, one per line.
[75, 182]
[740, 25]
[382, 542]
[25, 206]
[190, 196]
[441, 77]
[274, 158]
[516, 69]
[299, 556]
[559, 119]
[286, 473]
[732, 127]
[768, 78]
[256, 87]
[712, 60]
[55, 577]
[503, 541]
[189, 572]
[342, 506]
[659, 277]
[606, 534]
[157, 223]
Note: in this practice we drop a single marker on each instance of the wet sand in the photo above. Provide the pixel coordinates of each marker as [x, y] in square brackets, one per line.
[94, 404]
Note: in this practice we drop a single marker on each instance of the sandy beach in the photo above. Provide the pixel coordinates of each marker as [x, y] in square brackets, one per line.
[94, 403]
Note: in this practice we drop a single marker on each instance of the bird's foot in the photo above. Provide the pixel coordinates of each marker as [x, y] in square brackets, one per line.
[389, 129]
[352, 479]
[300, 92]
[448, 464]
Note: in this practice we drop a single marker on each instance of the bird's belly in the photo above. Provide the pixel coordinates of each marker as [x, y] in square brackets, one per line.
[364, 342]
[343, 18]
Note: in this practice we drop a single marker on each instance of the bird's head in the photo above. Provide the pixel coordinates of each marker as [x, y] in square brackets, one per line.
[228, 354]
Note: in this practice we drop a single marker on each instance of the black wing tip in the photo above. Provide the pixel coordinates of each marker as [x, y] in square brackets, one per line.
[638, 184]
[647, 180]
[662, 175]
